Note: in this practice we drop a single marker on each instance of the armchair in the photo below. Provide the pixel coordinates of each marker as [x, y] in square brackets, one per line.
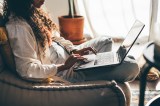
[15, 91]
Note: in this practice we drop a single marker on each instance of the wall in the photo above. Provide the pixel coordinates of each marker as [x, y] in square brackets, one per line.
[57, 8]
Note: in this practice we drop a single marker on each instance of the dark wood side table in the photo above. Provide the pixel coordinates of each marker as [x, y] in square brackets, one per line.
[149, 55]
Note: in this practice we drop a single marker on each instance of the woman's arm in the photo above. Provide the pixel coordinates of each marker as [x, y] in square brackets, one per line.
[66, 43]
[24, 47]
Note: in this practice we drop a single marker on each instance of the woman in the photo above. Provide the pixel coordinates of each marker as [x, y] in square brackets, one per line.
[40, 53]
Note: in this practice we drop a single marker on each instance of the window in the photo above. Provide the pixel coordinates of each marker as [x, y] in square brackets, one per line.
[114, 17]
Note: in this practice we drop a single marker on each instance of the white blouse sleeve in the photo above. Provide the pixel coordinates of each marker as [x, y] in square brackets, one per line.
[24, 46]
[66, 43]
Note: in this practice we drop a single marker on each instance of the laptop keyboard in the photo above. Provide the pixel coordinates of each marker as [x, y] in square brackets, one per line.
[104, 58]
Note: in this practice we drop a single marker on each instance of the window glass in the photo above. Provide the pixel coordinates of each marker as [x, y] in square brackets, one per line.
[114, 17]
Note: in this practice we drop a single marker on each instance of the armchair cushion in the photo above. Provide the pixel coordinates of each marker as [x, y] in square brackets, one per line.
[5, 48]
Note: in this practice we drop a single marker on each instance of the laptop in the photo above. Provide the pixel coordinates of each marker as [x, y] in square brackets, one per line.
[113, 58]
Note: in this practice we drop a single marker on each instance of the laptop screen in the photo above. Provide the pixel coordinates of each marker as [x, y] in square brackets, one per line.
[130, 39]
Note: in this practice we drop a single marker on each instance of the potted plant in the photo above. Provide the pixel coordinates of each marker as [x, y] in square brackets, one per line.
[72, 25]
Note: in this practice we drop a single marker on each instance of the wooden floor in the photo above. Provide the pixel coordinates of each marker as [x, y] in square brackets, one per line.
[151, 85]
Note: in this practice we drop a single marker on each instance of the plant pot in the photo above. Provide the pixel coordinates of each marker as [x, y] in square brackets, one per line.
[72, 28]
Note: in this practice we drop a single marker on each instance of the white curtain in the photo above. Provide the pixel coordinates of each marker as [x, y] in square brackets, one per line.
[155, 21]
[1, 4]
[114, 17]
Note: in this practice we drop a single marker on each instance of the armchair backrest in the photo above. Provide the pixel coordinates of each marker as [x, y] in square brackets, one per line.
[5, 49]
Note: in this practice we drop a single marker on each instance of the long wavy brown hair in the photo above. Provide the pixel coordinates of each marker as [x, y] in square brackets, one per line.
[40, 21]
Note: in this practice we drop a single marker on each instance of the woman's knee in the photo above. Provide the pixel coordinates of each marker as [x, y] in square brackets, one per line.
[105, 40]
[104, 43]
[132, 70]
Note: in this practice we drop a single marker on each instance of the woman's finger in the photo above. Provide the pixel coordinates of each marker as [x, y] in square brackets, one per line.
[93, 50]
[86, 52]
[76, 57]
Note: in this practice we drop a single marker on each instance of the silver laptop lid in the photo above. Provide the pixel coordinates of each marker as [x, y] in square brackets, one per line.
[130, 39]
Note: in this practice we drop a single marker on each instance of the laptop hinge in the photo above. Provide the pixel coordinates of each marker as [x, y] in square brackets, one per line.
[119, 57]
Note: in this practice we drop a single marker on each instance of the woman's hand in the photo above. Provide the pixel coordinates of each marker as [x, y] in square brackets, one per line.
[85, 51]
[71, 61]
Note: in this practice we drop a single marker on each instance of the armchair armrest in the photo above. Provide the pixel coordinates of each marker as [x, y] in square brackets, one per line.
[17, 92]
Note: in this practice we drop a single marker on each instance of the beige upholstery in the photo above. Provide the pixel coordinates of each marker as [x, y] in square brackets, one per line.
[5, 48]
[17, 92]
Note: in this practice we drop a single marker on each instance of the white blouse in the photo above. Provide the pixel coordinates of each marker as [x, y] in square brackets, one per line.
[28, 54]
